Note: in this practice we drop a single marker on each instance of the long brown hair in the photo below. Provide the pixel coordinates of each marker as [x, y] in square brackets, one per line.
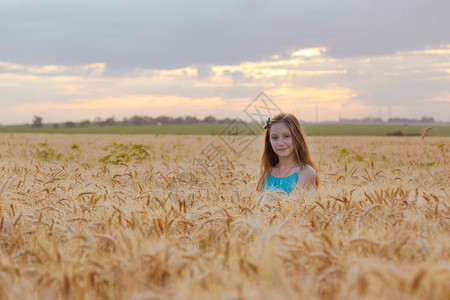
[270, 158]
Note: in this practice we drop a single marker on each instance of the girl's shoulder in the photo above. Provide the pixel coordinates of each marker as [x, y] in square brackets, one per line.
[306, 169]
[307, 175]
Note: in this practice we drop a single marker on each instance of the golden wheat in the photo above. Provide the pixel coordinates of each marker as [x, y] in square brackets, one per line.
[169, 224]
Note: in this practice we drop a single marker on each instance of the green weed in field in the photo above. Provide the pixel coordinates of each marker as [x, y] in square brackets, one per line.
[125, 153]
[46, 153]
[359, 157]
[342, 154]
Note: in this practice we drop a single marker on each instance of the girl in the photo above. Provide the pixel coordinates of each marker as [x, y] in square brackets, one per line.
[286, 162]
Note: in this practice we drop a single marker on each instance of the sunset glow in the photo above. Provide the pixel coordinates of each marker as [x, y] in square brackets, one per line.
[84, 91]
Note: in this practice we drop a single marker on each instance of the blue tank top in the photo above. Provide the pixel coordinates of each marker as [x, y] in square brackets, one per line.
[283, 184]
[277, 184]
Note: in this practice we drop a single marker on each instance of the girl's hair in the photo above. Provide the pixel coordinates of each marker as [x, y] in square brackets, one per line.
[270, 158]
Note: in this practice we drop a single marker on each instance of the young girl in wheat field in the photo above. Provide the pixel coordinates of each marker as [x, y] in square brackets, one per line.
[286, 163]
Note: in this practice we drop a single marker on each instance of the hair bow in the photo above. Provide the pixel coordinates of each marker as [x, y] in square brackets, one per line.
[267, 123]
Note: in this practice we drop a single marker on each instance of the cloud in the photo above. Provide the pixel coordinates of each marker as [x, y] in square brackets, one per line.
[309, 52]
[173, 34]
[313, 96]
[204, 71]
[441, 51]
[299, 79]
[307, 64]
[95, 69]
[148, 102]
[438, 99]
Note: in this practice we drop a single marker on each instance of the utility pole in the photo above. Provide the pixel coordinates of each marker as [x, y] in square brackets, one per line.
[317, 114]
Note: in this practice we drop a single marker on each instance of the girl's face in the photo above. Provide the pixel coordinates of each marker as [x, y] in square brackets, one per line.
[281, 140]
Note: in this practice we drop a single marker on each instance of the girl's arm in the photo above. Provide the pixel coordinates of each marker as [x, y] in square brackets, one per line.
[258, 188]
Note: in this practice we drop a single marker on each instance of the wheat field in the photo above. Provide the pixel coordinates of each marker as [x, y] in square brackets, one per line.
[160, 217]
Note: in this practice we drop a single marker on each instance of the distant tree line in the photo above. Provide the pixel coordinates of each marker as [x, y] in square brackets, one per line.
[402, 120]
[391, 120]
[136, 121]
[164, 120]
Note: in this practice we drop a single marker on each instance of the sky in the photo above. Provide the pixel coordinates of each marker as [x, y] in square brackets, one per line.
[67, 60]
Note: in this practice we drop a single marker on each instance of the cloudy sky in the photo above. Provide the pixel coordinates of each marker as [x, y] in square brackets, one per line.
[75, 60]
